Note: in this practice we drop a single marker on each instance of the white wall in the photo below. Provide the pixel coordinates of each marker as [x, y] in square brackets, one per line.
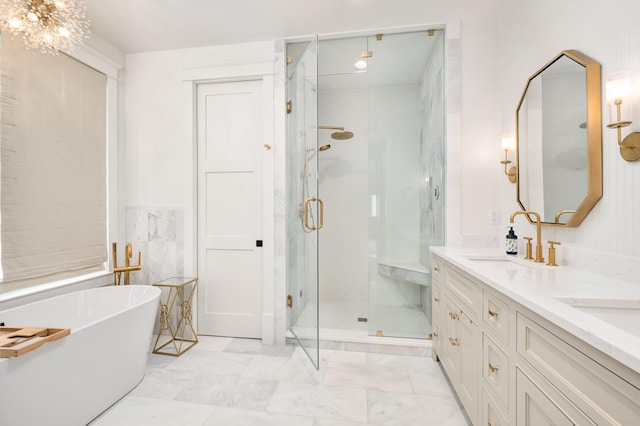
[383, 158]
[159, 168]
[160, 171]
[473, 133]
[531, 34]
[343, 185]
[395, 129]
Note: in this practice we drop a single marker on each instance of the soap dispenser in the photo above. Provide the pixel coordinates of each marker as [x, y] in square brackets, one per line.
[511, 242]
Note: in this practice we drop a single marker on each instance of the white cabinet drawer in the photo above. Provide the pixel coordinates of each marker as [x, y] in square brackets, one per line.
[464, 288]
[538, 403]
[491, 414]
[495, 314]
[495, 369]
[602, 395]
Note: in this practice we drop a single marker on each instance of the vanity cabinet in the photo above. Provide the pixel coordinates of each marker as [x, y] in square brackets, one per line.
[510, 366]
[459, 336]
[436, 306]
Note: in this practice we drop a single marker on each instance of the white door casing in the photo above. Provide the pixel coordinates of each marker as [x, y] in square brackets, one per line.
[230, 205]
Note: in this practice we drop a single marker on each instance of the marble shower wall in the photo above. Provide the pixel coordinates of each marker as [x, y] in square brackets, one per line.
[432, 155]
[157, 232]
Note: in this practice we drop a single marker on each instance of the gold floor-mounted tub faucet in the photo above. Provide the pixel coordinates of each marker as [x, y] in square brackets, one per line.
[127, 268]
[539, 258]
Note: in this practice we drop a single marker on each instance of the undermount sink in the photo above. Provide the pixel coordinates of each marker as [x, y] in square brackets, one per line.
[486, 258]
[502, 261]
[620, 313]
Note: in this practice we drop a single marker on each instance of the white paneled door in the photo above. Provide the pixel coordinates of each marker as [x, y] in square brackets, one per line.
[230, 147]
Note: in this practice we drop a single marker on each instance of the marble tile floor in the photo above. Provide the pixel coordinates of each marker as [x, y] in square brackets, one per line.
[237, 382]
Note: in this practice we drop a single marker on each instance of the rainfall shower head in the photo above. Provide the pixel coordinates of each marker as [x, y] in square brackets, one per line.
[340, 133]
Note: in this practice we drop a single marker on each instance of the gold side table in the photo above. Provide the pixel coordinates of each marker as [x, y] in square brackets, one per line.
[177, 294]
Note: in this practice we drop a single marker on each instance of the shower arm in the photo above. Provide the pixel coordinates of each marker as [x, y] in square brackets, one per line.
[340, 129]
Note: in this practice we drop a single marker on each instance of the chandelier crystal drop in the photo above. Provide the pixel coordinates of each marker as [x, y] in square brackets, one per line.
[45, 25]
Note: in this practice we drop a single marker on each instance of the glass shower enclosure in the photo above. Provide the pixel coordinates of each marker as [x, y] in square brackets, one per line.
[304, 207]
[381, 188]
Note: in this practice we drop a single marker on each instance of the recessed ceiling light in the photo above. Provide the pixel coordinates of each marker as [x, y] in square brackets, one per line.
[361, 65]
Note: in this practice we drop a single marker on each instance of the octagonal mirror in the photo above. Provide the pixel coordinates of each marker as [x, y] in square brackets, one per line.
[559, 140]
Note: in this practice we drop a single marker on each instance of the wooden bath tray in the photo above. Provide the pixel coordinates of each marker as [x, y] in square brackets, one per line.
[16, 341]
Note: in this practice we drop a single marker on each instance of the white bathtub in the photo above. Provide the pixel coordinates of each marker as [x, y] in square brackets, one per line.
[72, 380]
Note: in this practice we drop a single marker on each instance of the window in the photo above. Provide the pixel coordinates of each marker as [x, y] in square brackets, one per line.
[53, 177]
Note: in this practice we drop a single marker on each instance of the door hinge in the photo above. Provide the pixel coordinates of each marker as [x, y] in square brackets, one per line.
[289, 107]
[289, 301]
[289, 60]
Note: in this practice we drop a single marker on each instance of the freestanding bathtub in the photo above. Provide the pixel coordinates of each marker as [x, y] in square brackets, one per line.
[72, 380]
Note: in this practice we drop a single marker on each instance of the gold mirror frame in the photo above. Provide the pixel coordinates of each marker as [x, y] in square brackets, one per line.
[594, 138]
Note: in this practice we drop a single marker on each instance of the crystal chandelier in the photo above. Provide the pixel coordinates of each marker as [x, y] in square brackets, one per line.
[45, 25]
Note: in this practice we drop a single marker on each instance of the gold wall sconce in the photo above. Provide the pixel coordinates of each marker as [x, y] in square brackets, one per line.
[509, 144]
[619, 89]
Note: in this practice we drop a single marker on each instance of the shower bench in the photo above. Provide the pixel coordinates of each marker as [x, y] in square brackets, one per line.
[411, 272]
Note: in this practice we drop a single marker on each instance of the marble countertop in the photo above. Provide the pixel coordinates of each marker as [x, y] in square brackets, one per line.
[551, 291]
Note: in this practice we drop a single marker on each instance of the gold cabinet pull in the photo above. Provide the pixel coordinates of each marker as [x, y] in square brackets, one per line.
[453, 315]
[493, 313]
[436, 300]
[435, 334]
[307, 210]
[493, 368]
[435, 268]
[267, 146]
[453, 342]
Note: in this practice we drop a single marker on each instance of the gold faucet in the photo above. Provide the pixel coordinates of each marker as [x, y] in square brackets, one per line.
[528, 250]
[539, 258]
[552, 253]
[127, 268]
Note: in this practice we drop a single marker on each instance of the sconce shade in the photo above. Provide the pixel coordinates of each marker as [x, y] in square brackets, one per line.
[618, 86]
[508, 143]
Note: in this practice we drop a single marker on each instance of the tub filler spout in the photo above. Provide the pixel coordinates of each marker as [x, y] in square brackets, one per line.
[127, 268]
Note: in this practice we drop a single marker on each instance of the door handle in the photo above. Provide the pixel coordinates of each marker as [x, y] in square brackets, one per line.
[307, 210]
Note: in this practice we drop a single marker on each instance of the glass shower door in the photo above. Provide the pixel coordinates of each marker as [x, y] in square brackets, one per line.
[304, 208]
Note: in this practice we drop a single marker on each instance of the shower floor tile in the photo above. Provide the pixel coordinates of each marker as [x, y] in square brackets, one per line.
[240, 382]
[403, 321]
[338, 318]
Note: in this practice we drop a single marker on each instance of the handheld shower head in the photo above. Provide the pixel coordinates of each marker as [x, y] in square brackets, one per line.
[313, 151]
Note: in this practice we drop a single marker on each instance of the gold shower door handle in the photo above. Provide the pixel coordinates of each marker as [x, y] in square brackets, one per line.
[307, 209]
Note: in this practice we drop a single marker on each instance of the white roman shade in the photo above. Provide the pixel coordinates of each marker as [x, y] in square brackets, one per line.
[53, 166]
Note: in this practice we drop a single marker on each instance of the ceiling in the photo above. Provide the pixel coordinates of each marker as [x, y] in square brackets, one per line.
[135, 26]
[397, 60]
